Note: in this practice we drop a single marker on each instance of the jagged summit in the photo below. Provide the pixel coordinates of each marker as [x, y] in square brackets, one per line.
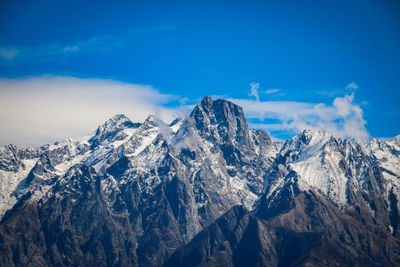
[219, 110]
[313, 136]
[118, 120]
[315, 133]
[111, 128]
[152, 121]
[221, 120]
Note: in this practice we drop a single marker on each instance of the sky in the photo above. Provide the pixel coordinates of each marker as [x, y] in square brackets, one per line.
[68, 66]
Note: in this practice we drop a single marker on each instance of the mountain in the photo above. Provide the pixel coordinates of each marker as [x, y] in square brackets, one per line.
[325, 202]
[203, 190]
[386, 157]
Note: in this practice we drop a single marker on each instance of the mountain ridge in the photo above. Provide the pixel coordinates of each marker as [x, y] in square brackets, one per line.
[160, 186]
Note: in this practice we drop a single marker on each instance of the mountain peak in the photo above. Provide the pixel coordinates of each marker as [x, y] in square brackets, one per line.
[316, 133]
[119, 121]
[118, 117]
[396, 138]
[152, 119]
[314, 136]
[217, 111]
[112, 127]
[221, 120]
[208, 105]
[206, 101]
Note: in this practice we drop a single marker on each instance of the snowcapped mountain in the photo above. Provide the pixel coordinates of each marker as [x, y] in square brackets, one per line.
[134, 194]
[340, 170]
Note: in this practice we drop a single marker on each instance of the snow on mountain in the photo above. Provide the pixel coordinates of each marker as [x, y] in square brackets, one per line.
[214, 148]
[14, 168]
[340, 170]
[161, 184]
[386, 154]
[316, 156]
[226, 154]
[31, 167]
[213, 141]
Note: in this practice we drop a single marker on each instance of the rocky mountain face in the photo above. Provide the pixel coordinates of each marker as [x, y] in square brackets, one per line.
[326, 202]
[204, 190]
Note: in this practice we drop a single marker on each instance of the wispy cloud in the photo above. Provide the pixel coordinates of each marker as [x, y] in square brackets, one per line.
[271, 91]
[352, 86]
[99, 43]
[39, 110]
[342, 117]
[254, 90]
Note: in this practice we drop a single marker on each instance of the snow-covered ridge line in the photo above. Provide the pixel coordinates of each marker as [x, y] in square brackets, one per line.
[237, 164]
[16, 164]
[142, 145]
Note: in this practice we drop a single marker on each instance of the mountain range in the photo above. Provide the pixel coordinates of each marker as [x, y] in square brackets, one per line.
[204, 190]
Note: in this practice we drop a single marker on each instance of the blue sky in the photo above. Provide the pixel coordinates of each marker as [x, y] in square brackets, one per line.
[291, 64]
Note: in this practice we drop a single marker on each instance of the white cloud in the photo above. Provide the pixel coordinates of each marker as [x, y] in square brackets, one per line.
[352, 86]
[342, 118]
[271, 91]
[39, 110]
[254, 90]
